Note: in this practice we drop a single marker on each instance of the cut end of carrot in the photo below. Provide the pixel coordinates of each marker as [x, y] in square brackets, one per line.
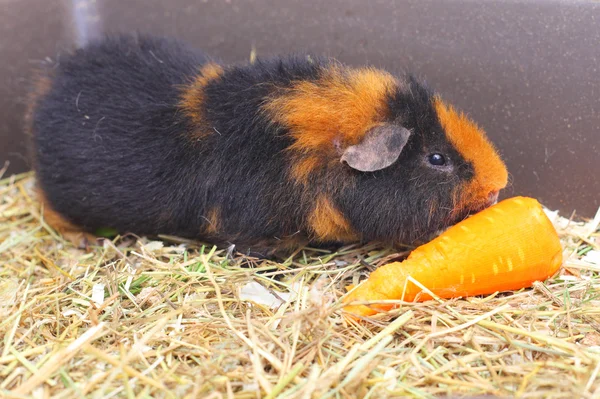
[506, 247]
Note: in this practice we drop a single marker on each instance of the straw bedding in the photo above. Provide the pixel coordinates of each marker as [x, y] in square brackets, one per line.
[176, 319]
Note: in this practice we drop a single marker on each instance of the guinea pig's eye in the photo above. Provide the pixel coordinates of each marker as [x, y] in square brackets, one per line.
[437, 159]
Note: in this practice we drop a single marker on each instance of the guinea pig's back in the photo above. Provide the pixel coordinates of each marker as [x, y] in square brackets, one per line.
[106, 132]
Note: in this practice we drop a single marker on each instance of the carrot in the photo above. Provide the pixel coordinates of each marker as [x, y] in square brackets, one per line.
[505, 247]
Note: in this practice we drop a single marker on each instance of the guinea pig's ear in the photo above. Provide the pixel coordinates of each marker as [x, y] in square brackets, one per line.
[380, 148]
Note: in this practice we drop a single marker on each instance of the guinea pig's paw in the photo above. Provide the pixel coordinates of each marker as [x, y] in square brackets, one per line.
[68, 230]
[79, 239]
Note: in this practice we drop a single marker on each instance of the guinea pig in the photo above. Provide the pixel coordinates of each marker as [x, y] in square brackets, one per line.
[145, 135]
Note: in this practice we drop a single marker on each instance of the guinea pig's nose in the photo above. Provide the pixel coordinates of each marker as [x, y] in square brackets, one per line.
[493, 197]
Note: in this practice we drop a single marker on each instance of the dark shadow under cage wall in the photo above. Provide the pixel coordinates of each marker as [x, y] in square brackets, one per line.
[527, 71]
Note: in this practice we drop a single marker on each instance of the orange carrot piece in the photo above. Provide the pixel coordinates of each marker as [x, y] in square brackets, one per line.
[505, 247]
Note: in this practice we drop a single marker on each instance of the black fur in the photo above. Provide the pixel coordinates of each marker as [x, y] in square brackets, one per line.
[112, 149]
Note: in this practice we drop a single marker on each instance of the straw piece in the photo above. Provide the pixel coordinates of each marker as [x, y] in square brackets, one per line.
[58, 359]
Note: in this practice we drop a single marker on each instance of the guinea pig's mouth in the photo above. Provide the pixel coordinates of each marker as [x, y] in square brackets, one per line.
[457, 217]
[473, 209]
[476, 207]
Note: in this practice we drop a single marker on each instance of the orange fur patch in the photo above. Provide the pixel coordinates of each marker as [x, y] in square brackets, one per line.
[213, 221]
[471, 142]
[62, 226]
[328, 224]
[302, 168]
[192, 98]
[337, 109]
[41, 85]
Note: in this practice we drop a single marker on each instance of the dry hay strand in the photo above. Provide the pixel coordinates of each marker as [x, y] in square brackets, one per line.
[140, 318]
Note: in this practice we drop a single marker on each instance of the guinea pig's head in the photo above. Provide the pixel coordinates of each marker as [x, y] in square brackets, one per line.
[393, 161]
